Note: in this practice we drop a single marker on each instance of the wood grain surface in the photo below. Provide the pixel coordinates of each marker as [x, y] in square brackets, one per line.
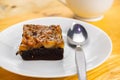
[109, 70]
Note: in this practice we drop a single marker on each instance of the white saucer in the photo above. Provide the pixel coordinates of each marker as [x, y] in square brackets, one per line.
[97, 50]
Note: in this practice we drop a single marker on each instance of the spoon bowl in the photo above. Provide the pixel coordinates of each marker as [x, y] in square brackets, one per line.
[77, 35]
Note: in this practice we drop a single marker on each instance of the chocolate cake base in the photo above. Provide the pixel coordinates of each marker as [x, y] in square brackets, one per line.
[43, 54]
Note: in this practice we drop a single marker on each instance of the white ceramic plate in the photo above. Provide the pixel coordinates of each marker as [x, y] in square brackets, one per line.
[97, 50]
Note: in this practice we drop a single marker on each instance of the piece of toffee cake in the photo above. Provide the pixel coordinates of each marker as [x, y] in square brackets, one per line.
[40, 42]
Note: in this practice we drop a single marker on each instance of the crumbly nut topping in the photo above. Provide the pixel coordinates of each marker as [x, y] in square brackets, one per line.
[36, 36]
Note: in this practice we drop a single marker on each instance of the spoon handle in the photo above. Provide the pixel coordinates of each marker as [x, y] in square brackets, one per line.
[80, 63]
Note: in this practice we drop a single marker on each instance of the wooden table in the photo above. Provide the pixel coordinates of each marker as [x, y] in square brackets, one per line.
[109, 70]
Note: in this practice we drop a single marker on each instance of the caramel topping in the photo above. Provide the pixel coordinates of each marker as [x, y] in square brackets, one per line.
[36, 36]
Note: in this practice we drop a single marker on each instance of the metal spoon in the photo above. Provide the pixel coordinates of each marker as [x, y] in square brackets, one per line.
[77, 35]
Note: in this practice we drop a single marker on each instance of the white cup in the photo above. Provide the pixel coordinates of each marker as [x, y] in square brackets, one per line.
[89, 10]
